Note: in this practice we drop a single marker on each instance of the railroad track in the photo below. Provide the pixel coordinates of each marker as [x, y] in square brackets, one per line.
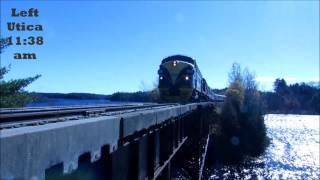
[18, 117]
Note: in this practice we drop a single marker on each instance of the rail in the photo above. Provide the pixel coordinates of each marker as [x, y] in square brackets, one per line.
[17, 117]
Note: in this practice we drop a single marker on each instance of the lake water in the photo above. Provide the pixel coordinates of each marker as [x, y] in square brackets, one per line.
[69, 102]
[292, 154]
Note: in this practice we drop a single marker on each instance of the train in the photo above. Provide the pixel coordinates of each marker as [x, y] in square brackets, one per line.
[180, 80]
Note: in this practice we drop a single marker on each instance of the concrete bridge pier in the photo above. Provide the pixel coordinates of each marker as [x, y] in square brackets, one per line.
[147, 155]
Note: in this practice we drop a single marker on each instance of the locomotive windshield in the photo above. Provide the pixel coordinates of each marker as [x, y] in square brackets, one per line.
[179, 58]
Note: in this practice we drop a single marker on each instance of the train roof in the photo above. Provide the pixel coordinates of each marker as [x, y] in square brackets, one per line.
[179, 58]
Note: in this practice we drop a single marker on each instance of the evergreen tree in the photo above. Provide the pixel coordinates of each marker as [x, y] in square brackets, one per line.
[280, 86]
[12, 93]
[3, 44]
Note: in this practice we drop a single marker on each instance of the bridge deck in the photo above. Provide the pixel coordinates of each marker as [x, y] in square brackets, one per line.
[26, 152]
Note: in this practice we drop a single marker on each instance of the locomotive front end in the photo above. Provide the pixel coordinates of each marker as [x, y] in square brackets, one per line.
[176, 80]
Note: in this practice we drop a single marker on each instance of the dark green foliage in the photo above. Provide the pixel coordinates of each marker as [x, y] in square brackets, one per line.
[296, 98]
[12, 93]
[3, 44]
[146, 96]
[280, 87]
[45, 96]
[243, 132]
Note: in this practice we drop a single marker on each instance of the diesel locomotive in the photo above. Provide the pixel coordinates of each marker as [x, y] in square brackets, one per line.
[180, 80]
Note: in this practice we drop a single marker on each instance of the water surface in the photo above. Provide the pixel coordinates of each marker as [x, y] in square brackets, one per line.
[69, 102]
[293, 152]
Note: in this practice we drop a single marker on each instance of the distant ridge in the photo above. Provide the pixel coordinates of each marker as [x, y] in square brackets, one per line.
[315, 84]
[44, 96]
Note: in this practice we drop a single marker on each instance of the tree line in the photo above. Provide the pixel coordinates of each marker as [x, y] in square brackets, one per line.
[296, 98]
[45, 96]
[140, 96]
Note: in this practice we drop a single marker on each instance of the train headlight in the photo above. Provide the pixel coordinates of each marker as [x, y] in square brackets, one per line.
[174, 63]
[186, 78]
[161, 78]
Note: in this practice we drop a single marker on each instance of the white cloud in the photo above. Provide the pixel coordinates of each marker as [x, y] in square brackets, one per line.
[265, 79]
[317, 79]
[272, 79]
[290, 78]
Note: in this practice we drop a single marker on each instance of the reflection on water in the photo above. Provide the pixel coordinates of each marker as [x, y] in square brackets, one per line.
[293, 152]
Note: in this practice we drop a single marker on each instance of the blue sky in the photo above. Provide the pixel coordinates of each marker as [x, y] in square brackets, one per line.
[104, 47]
